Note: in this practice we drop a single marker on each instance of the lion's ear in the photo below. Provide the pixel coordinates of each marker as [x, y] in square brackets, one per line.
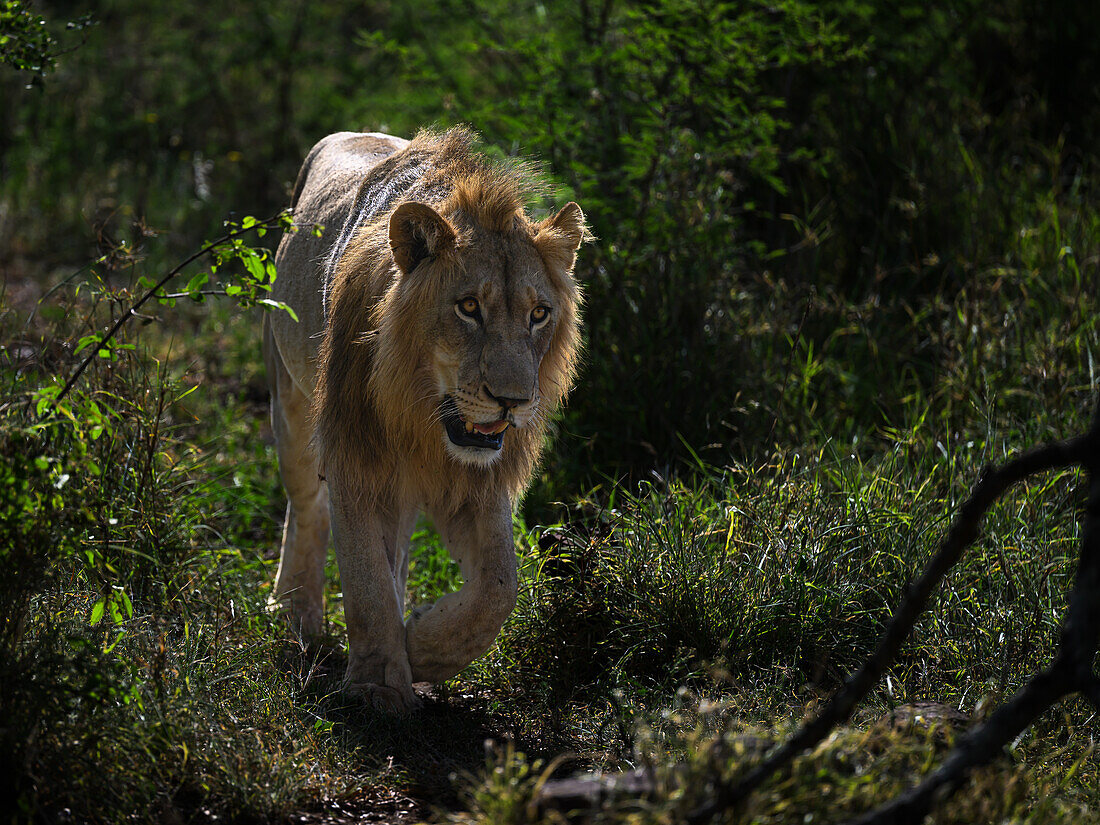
[559, 236]
[418, 232]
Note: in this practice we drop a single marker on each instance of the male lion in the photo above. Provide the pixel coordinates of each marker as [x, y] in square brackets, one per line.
[438, 331]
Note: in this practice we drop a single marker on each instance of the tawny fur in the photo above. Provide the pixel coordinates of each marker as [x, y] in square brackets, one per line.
[375, 335]
[438, 216]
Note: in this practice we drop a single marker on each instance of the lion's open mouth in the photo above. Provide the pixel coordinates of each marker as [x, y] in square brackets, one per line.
[466, 434]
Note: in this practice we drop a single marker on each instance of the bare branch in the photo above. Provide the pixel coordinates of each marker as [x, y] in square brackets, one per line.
[976, 748]
[991, 485]
[1071, 672]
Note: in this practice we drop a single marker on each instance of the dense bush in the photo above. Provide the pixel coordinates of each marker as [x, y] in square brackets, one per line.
[741, 163]
[847, 254]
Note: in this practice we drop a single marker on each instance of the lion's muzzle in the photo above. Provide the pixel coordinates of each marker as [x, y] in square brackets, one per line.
[463, 433]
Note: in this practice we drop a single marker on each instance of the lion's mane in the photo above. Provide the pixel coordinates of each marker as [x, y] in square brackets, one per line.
[375, 395]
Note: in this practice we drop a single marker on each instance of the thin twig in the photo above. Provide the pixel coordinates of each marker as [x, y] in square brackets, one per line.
[132, 311]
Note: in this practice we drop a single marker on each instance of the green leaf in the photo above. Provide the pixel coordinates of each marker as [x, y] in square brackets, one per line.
[254, 265]
[197, 282]
[86, 342]
[97, 611]
[45, 397]
[270, 303]
[127, 605]
[185, 393]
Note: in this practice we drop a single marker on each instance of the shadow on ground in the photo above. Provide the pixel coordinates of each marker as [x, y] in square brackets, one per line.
[412, 766]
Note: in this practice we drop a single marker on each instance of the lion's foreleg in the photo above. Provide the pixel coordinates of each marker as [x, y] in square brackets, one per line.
[445, 637]
[370, 573]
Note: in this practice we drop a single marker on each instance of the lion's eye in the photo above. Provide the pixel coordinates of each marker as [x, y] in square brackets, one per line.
[539, 314]
[469, 307]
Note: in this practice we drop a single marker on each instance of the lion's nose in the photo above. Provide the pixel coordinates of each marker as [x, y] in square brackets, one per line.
[505, 401]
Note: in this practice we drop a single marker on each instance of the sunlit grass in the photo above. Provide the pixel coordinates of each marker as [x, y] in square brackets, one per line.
[726, 594]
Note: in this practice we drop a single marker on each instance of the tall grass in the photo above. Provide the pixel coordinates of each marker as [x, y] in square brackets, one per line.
[837, 274]
[143, 523]
[793, 568]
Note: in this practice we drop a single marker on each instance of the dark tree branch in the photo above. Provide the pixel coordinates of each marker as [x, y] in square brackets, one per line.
[1079, 640]
[1071, 672]
[976, 748]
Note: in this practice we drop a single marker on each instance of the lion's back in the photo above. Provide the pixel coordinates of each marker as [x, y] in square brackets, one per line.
[330, 192]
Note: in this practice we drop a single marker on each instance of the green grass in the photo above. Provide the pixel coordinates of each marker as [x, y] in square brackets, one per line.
[799, 567]
[714, 594]
[655, 618]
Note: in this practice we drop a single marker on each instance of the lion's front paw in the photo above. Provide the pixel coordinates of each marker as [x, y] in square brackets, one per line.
[385, 698]
[385, 682]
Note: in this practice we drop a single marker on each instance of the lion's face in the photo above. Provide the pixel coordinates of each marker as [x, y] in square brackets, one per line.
[496, 323]
[499, 301]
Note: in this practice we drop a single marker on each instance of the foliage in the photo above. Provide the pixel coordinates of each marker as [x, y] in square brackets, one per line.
[840, 154]
[25, 44]
[846, 256]
[108, 639]
[847, 153]
[692, 134]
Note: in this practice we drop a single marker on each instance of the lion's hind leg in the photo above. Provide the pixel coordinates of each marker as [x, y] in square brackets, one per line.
[299, 584]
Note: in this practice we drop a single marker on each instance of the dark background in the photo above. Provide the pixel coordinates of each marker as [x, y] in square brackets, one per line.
[754, 173]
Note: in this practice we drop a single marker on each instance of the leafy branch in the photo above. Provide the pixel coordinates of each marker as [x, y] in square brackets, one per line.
[26, 44]
[248, 288]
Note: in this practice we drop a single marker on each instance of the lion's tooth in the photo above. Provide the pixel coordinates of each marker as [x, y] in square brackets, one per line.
[469, 427]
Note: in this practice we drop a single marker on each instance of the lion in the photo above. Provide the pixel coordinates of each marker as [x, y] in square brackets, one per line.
[438, 331]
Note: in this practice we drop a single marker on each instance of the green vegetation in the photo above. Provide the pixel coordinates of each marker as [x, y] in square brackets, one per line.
[847, 256]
